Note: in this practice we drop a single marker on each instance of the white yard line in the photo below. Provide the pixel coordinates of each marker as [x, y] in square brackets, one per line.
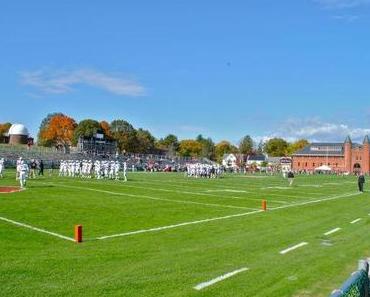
[356, 221]
[155, 198]
[283, 252]
[179, 225]
[203, 194]
[36, 229]
[316, 201]
[223, 218]
[332, 231]
[219, 279]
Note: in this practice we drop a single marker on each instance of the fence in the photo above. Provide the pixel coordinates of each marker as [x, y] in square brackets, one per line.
[357, 285]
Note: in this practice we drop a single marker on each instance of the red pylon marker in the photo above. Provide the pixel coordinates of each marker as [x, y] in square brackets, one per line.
[264, 205]
[78, 233]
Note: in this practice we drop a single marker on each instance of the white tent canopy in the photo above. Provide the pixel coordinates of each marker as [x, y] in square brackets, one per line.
[323, 168]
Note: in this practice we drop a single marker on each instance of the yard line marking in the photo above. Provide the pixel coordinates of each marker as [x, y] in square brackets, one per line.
[283, 252]
[156, 198]
[316, 201]
[179, 225]
[355, 221]
[222, 218]
[36, 229]
[332, 231]
[197, 193]
[219, 279]
[228, 190]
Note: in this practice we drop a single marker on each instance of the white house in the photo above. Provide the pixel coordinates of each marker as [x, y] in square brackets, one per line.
[230, 161]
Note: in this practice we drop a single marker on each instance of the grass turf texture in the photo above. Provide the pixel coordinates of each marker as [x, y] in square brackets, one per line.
[171, 262]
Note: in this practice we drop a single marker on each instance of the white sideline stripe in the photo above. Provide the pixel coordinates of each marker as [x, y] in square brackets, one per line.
[219, 279]
[283, 252]
[355, 221]
[155, 198]
[179, 225]
[196, 193]
[223, 218]
[36, 229]
[332, 231]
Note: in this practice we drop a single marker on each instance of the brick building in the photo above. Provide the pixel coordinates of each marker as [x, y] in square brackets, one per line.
[340, 157]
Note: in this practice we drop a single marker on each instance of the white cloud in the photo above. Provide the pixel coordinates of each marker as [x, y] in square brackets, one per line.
[317, 130]
[341, 4]
[58, 82]
[346, 18]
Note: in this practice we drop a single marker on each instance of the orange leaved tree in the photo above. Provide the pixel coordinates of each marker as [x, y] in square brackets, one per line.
[60, 131]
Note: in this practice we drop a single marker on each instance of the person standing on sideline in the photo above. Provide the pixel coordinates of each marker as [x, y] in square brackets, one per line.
[290, 178]
[361, 181]
[33, 169]
[41, 168]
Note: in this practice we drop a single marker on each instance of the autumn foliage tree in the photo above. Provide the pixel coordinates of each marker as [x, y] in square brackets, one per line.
[4, 128]
[104, 125]
[44, 126]
[190, 148]
[297, 145]
[224, 147]
[60, 131]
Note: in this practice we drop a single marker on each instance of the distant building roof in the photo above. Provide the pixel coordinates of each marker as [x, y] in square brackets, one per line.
[348, 140]
[257, 158]
[18, 129]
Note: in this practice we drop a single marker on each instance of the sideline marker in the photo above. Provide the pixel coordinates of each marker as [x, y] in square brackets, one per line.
[264, 205]
[78, 233]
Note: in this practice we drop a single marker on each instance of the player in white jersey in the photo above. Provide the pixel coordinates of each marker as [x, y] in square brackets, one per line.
[125, 171]
[1, 167]
[18, 167]
[116, 170]
[111, 169]
[97, 167]
[23, 174]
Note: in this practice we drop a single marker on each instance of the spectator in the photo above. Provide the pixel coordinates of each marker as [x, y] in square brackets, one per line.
[361, 181]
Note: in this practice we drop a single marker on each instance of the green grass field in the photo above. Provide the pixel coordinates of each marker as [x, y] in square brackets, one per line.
[190, 231]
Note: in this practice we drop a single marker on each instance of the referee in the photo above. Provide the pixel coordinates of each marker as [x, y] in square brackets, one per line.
[361, 181]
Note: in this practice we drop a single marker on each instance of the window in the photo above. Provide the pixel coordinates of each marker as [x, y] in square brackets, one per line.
[299, 164]
[313, 164]
[306, 164]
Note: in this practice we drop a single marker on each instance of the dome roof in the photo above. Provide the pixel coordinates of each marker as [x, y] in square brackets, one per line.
[18, 129]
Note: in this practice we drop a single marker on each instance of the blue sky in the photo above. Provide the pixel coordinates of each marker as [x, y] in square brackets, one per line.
[295, 68]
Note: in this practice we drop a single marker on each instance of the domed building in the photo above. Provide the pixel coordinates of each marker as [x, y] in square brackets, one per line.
[18, 134]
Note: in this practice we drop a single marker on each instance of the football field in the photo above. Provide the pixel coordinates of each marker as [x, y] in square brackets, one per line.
[161, 234]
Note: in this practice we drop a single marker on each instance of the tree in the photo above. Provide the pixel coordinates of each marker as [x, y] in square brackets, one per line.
[145, 142]
[208, 147]
[86, 128]
[222, 148]
[190, 148]
[44, 126]
[125, 135]
[105, 127]
[276, 147]
[246, 145]
[170, 144]
[260, 148]
[4, 128]
[60, 131]
[297, 145]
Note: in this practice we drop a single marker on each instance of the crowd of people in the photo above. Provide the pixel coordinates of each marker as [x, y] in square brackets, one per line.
[89, 169]
[200, 170]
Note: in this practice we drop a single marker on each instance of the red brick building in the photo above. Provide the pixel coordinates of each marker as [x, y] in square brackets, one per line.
[340, 157]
